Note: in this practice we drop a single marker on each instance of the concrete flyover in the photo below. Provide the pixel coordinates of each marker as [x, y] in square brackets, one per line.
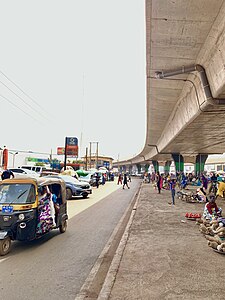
[185, 79]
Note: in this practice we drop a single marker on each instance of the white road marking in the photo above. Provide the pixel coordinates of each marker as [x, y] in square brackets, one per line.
[3, 259]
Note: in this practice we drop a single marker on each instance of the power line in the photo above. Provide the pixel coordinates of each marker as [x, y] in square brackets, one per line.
[22, 91]
[18, 107]
[22, 99]
[33, 152]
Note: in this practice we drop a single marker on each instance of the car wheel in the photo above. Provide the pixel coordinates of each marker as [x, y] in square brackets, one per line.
[5, 246]
[63, 226]
[68, 194]
[85, 196]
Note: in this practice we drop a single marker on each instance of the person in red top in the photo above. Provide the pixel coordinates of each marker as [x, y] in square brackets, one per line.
[120, 179]
[211, 209]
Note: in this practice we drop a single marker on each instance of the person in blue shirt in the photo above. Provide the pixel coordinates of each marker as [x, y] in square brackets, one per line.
[173, 189]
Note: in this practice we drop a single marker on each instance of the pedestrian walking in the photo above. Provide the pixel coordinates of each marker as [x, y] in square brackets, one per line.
[103, 179]
[173, 190]
[97, 178]
[120, 179]
[125, 181]
[129, 177]
[159, 182]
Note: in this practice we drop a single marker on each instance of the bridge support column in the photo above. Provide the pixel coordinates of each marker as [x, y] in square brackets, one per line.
[167, 167]
[179, 162]
[130, 169]
[200, 163]
[124, 169]
[138, 168]
[146, 167]
[155, 165]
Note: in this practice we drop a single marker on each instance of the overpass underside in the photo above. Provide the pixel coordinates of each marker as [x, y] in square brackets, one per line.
[184, 113]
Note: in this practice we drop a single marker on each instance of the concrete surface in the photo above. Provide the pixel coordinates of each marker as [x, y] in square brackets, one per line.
[166, 257]
[182, 33]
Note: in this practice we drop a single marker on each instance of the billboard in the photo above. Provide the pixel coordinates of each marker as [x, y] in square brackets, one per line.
[72, 150]
[61, 150]
[71, 144]
[71, 141]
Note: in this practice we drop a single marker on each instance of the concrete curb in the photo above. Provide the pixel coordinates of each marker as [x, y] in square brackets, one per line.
[88, 282]
[112, 272]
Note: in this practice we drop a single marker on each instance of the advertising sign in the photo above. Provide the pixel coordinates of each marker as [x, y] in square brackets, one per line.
[71, 146]
[61, 150]
[5, 158]
[71, 141]
[72, 150]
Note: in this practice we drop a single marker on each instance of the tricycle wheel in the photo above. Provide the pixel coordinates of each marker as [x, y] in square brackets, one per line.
[63, 226]
[5, 246]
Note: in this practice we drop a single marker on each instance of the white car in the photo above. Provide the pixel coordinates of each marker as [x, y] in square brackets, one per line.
[24, 173]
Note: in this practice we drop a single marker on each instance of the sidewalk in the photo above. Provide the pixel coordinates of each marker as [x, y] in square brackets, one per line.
[165, 256]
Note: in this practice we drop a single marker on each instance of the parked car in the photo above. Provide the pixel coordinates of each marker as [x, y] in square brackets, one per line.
[88, 178]
[91, 178]
[46, 173]
[37, 169]
[74, 187]
[24, 173]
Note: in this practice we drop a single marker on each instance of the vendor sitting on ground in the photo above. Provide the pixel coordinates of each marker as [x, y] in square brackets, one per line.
[211, 210]
[201, 194]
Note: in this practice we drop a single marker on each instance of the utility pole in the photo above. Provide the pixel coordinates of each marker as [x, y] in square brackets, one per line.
[65, 155]
[97, 155]
[90, 155]
[86, 159]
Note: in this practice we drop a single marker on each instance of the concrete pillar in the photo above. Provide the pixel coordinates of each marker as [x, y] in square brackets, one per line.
[156, 165]
[200, 163]
[139, 168]
[146, 167]
[167, 167]
[130, 169]
[179, 162]
[124, 169]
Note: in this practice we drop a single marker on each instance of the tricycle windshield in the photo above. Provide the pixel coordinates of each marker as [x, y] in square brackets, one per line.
[17, 193]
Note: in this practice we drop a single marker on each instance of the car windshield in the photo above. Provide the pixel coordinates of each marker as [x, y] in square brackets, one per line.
[17, 193]
[86, 177]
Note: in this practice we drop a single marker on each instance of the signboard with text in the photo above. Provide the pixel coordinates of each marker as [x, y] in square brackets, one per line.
[71, 141]
[72, 150]
[71, 145]
[61, 150]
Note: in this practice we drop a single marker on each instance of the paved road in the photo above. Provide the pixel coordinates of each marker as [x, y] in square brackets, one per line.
[56, 266]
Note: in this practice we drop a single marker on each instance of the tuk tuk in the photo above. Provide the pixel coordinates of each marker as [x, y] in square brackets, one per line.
[30, 208]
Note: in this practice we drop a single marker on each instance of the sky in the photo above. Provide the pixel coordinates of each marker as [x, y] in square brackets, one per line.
[82, 66]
